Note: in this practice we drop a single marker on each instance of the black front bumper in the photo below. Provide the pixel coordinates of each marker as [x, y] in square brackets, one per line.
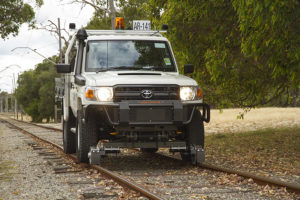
[165, 112]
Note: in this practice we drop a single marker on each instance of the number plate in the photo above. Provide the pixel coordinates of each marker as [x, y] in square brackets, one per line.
[141, 25]
[151, 114]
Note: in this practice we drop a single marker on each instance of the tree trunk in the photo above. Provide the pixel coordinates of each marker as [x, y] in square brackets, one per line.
[295, 97]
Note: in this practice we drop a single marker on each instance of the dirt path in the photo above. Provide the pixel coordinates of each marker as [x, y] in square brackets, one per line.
[226, 120]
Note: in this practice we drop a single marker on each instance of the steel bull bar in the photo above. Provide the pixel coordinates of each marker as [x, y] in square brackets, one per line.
[154, 109]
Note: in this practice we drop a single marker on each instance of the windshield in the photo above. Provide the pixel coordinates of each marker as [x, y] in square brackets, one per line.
[128, 55]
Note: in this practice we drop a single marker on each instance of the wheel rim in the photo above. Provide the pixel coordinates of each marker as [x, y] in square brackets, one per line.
[64, 138]
[64, 134]
[78, 137]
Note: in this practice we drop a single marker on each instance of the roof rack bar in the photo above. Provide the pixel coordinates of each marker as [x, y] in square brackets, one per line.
[129, 32]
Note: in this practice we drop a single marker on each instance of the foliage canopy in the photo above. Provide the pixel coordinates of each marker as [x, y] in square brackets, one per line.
[13, 14]
[247, 53]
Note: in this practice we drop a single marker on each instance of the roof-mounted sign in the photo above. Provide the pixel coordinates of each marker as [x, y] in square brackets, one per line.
[141, 25]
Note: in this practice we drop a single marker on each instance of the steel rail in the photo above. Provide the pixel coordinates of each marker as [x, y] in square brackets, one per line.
[122, 181]
[292, 187]
[262, 180]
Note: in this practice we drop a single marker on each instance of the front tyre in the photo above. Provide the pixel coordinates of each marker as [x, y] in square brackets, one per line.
[86, 136]
[195, 130]
[194, 138]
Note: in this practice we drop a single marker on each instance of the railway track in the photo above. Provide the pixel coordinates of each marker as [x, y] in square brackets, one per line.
[166, 182]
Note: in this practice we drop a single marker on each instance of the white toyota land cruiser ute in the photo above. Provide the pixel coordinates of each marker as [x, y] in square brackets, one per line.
[123, 90]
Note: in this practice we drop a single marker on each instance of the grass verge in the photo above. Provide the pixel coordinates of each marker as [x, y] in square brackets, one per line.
[275, 151]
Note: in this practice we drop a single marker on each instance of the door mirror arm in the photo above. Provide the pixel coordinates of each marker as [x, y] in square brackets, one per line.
[79, 80]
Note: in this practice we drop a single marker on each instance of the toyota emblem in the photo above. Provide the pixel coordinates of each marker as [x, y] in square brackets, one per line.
[146, 94]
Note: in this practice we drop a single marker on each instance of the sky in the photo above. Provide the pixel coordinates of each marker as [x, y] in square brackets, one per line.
[15, 62]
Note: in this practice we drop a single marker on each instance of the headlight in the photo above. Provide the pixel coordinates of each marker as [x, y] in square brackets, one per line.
[187, 93]
[104, 94]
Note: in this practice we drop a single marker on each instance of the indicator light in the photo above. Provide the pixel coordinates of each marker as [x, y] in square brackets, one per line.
[89, 94]
[199, 93]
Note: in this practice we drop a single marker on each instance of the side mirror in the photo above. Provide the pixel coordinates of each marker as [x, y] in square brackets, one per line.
[188, 68]
[79, 80]
[63, 68]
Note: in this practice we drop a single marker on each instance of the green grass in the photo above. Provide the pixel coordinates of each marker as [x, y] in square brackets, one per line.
[274, 149]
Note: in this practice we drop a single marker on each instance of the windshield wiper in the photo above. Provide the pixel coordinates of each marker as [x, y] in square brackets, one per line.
[152, 68]
[119, 68]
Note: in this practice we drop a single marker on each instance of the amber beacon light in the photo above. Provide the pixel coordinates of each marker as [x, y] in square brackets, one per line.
[119, 23]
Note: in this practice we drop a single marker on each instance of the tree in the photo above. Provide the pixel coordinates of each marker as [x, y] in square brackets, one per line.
[36, 91]
[129, 9]
[132, 10]
[102, 8]
[13, 14]
[99, 21]
[246, 53]
[2, 95]
[270, 35]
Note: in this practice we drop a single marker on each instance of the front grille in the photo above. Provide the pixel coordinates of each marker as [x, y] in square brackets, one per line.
[148, 114]
[158, 92]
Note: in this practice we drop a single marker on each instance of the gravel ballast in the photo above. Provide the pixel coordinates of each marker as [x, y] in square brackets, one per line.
[29, 176]
[34, 173]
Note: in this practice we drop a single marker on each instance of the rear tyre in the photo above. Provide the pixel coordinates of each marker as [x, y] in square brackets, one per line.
[69, 138]
[86, 136]
[149, 150]
[186, 156]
